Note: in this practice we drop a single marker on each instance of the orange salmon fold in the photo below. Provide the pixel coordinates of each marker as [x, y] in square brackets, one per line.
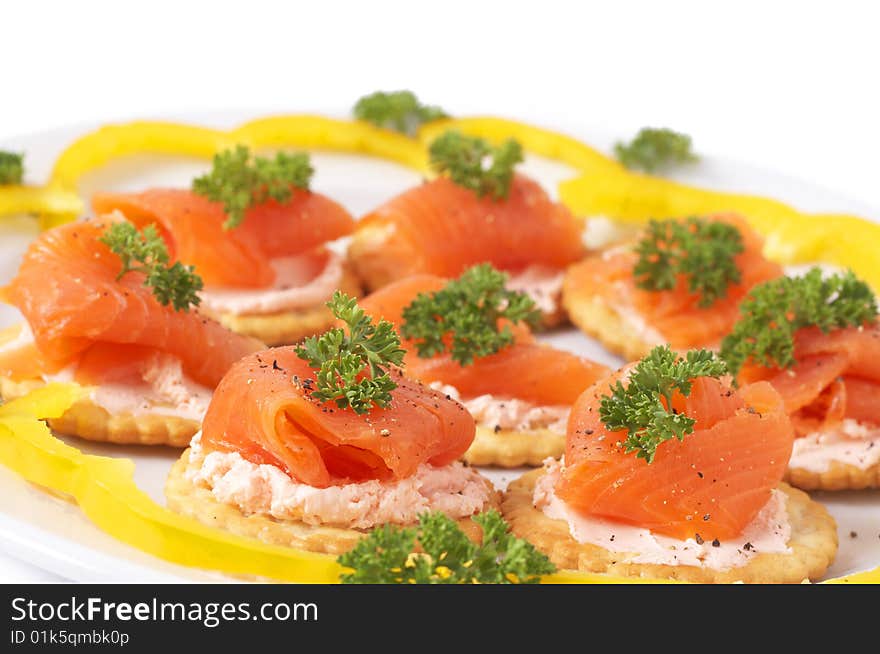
[711, 484]
[192, 226]
[263, 409]
[66, 287]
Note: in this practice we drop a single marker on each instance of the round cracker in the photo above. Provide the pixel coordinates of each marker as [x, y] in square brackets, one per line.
[292, 326]
[198, 502]
[838, 476]
[594, 316]
[510, 449]
[90, 421]
[813, 543]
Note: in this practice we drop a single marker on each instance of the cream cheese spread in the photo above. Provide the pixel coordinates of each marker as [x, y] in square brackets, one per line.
[455, 489]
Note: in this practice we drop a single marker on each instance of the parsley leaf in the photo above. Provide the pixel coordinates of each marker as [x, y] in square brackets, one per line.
[473, 163]
[241, 181]
[342, 360]
[448, 556]
[11, 168]
[703, 251]
[463, 316]
[644, 407]
[773, 311]
[653, 149]
[400, 111]
[145, 252]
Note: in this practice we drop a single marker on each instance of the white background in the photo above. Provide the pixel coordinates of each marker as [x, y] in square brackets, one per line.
[791, 86]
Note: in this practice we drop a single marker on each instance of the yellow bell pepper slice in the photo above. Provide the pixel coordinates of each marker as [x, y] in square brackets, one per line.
[101, 146]
[62, 204]
[98, 148]
[866, 577]
[321, 132]
[105, 490]
[792, 236]
[538, 140]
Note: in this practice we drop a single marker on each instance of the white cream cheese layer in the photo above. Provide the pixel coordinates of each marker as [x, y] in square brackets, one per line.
[164, 389]
[301, 282]
[541, 283]
[508, 413]
[851, 442]
[769, 532]
[456, 490]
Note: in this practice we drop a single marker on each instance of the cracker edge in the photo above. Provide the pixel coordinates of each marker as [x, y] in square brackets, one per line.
[813, 543]
[839, 476]
[510, 449]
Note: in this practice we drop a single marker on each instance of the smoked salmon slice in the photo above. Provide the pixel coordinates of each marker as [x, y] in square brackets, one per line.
[263, 409]
[836, 376]
[526, 370]
[675, 313]
[442, 228]
[192, 227]
[67, 290]
[711, 484]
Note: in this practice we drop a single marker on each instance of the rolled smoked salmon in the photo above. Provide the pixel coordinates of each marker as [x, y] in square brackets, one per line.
[441, 228]
[263, 410]
[192, 226]
[713, 483]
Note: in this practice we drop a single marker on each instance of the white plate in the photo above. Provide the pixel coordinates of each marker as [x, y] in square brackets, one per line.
[53, 534]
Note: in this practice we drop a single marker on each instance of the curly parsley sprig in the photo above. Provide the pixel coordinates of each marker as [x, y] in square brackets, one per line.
[241, 181]
[773, 311]
[473, 163]
[400, 111]
[704, 251]
[145, 252]
[644, 406]
[11, 168]
[353, 367]
[448, 556]
[655, 148]
[463, 316]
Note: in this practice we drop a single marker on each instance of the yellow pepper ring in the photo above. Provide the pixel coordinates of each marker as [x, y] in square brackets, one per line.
[538, 140]
[791, 236]
[38, 199]
[332, 134]
[105, 490]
